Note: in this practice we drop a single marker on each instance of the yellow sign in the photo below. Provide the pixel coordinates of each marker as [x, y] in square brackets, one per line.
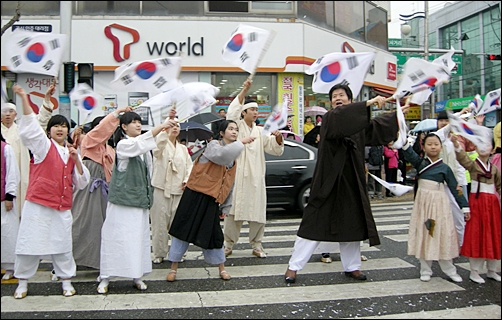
[414, 113]
[290, 86]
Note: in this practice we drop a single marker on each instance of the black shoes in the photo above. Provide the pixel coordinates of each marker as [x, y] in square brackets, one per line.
[290, 276]
[358, 275]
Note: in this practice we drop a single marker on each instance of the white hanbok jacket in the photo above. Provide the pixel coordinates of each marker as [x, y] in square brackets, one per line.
[10, 219]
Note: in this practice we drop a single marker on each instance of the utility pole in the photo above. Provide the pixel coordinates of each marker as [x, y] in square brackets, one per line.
[426, 54]
[65, 14]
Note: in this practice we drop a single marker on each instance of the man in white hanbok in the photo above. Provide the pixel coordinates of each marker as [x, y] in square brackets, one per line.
[249, 201]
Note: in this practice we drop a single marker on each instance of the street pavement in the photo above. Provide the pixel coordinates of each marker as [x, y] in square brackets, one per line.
[257, 289]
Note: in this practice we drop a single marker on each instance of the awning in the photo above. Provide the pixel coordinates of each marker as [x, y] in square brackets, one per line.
[383, 91]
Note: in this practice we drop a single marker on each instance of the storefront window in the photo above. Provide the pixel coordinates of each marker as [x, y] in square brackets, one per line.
[320, 13]
[230, 84]
[349, 18]
[376, 26]
[314, 99]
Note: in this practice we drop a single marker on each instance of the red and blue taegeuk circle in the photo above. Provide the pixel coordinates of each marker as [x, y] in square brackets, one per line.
[35, 52]
[429, 82]
[89, 103]
[235, 44]
[331, 72]
[466, 128]
[146, 70]
[495, 102]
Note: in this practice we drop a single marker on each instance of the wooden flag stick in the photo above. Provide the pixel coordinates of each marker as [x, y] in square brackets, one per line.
[263, 51]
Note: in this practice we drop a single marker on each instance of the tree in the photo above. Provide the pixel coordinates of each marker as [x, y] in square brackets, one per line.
[14, 19]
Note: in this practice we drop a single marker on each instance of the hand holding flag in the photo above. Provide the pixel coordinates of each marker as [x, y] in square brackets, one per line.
[155, 75]
[277, 119]
[246, 47]
[492, 102]
[35, 52]
[339, 67]
[481, 136]
[85, 99]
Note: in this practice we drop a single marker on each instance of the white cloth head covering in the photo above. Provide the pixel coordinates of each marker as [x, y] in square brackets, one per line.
[250, 105]
[8, 106]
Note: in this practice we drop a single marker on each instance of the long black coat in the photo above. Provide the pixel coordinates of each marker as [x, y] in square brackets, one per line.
[339, 208]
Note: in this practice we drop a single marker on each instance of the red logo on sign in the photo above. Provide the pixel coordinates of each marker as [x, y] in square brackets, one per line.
[391, 71]
[116, 42]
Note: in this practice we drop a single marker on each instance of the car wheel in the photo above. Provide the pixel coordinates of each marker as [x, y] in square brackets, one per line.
[303, 197]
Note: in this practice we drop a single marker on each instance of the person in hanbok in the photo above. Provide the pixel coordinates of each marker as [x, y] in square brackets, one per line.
[10, 217]
[125, 235]
[482, 229]
[432, 235]
[210, 184]
[250, 176]
[10, 132]
[89, 204]
[172, 165]
[495, 158]
[46, 220]
[339, 208]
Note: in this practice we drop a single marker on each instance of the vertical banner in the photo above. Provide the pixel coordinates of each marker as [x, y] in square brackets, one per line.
[290, 86]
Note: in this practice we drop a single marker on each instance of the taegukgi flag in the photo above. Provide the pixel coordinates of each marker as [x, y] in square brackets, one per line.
[246, 47]
[419, 75]
[339, 67]
[481, 136]
[155, 75]
[277, 119]
[445, 60]
[84, 98]
[35, 52]
[476, 104]
[492, 102]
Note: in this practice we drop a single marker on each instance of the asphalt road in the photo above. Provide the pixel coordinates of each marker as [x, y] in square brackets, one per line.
[257, 289]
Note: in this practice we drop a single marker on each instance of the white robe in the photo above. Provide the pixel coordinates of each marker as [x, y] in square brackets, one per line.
[43, 230]
[11, 136]
[125, 236]
[250, 175]
[10, 219]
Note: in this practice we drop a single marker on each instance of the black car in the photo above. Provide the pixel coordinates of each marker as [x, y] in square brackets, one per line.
[288, 176]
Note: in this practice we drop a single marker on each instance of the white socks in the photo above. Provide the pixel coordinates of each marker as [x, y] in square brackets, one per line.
[9, 274]
[139, 284]
[67, 285]
[22, 289]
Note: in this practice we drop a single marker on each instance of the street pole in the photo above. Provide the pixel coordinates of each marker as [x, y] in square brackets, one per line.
[65, 13]
[432, 108]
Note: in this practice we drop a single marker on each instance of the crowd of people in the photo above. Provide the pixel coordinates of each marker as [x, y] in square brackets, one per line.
[94, 200]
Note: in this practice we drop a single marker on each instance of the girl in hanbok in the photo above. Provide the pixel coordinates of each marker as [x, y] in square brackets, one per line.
[45, 228]
[208, 189]
[482, 230]
[432, 234]
[125, 236]
[172, 165]
[10, 178]
[89, 205]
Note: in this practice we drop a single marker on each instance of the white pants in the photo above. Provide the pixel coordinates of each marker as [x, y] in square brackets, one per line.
[26, 266]
[477, 264]
[447, 267]
[350, 254]
[161, 217]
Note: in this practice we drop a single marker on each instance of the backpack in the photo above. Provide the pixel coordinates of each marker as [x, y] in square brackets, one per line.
[375, 156]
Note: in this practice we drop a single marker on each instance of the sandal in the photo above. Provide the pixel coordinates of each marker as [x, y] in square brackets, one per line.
[228, 252]
[171, 276]
[224, 275]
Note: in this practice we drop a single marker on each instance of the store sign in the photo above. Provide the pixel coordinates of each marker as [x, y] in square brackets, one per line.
[391, 71]
[393, 42]
[414, 113]
[33, 27]
[403, 57]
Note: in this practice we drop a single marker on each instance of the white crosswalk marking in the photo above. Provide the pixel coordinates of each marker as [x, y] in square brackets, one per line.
[257, 285]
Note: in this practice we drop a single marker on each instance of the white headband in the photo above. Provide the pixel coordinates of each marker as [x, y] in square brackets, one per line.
[250, 105]
[7, 107]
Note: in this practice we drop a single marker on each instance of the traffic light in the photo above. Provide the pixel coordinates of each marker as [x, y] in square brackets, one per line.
[86, 73]
[493, 57]
[69, 76]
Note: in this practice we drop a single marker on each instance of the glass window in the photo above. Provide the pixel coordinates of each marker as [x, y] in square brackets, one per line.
[491, 41]
[471, 46]
[266, 6]
[320, 13]
[31, 8]
[107, 7]
[376, 26]
[314, 99]
[349, 18]
[230, 84]
[290, 153]
[227, 6]
[161, 8]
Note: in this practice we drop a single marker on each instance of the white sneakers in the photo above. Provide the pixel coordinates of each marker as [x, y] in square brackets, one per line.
[456, 278]
[425, 278]
[493, 275]
[474, 276]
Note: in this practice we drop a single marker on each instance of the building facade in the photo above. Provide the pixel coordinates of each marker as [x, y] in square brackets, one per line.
[305, 30]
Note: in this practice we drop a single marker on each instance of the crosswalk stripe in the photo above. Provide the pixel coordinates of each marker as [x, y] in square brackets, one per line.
[226, 298]
[481, 312]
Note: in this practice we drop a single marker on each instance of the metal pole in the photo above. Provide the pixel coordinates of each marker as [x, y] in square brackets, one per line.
[426, 54]
[65, 14]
